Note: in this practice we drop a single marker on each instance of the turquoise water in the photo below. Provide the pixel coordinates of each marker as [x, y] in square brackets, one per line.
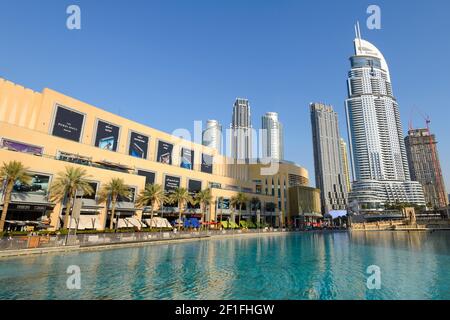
[292, 266]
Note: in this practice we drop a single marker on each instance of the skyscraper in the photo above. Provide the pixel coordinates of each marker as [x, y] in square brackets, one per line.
[272, 137]
[378, 155]
[345, 163]
[212, 135]
[329, 169]
[241, 130]
[425, 167]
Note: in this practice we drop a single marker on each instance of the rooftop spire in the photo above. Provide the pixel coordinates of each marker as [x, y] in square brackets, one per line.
[358, 30]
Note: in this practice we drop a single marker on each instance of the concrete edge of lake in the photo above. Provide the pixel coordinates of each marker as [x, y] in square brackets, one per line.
[77, 248]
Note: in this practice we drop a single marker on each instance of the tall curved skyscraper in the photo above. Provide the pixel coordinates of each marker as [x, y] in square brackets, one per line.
[378, 155]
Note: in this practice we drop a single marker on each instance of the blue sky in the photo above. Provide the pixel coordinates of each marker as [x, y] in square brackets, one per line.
[167, 63]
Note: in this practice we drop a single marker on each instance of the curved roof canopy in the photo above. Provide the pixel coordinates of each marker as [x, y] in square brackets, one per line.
[365, 48]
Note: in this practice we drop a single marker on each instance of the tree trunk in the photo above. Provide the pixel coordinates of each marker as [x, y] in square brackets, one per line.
[203, 209]
[151, 215]
[179, 215]
[113, 211]
[8, 191]
[240, 213]
[67, 214]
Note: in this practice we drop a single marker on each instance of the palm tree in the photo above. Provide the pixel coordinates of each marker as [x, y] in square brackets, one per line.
[241, 199]
[255, 203]
[66, 185]
[152, 195]
[204, 198]
[181, 197]
[10, 173]
[233, 204]
[220, 203]
[114, 189]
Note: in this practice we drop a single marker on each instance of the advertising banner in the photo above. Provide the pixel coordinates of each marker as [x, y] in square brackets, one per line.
[187, 158]
[171, 183]
[194, 186]
[164, 152]
[149, 176]
[138, 145]
[68, 124]
[107, 136]
[38, 185]
[207, 163]
[94, 187]
[21, 147]
[130, 198]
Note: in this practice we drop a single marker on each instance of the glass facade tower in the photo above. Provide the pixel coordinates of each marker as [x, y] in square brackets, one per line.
[378, 155]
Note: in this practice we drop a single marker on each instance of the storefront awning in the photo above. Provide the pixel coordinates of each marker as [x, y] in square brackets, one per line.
[128, 223]
[158, 223]
[133, 222]
[85, 222]
[38, 224]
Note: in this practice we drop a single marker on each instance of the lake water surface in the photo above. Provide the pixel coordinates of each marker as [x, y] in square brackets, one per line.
[413, 265]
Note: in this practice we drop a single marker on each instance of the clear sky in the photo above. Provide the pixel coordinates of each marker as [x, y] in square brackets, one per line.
[167, 63]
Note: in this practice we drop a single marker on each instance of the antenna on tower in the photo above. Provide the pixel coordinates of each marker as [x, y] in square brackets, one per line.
[358, 35]
[358, 30]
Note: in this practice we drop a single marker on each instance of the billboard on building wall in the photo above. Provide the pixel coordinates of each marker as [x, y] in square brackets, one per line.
[194, 186]
[21, 147]
[130, 198]
[138, 145]
[164, 154]
[207, 163]
[94, 186]
[187, 158]
[171, 183]
[68, 124]
[107, 136]
[38, 184]
[149, 176]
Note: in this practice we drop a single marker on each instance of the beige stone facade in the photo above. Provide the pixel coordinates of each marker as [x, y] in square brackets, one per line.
[48, 131]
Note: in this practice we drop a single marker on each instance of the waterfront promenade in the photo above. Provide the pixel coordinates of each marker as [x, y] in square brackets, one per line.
[31, 245]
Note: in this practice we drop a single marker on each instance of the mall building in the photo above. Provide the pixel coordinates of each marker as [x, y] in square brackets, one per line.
[49, 131]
